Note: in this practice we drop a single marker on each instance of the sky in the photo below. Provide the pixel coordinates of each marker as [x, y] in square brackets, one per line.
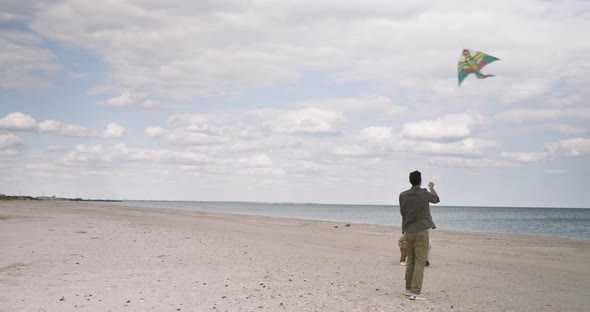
[295, 101]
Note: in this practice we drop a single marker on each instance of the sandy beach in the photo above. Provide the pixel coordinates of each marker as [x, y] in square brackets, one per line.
[69, 256]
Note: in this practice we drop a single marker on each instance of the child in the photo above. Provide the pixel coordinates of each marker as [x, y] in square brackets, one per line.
[402, 249]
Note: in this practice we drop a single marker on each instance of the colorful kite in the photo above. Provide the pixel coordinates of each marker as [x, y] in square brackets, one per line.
[469, 64]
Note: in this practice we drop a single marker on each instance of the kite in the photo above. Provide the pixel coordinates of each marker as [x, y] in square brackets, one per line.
[469, 64]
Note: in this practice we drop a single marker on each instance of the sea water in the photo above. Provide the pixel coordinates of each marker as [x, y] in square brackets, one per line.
[558, 222]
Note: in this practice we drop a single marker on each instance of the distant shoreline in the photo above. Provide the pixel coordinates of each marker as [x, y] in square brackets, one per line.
[23, 197]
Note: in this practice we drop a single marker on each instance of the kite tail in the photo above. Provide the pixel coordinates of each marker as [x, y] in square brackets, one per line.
[482, 76]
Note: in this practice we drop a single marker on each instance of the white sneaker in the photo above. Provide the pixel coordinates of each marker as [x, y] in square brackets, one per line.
[417, 297]
[408, 293]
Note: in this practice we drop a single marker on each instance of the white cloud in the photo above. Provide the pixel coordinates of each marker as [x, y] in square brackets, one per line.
[381, 141]
[77, 75]
[454, 126]
[9, 140]
[377, 133]
[570, 147]
[24, 64]
[469, 162]
[208, 118]
[543, 114]
[287, 134]
[58, 127]
[121, 150]
[113, 130]
[207, 134]
[557, 127]
[352, 150]
[305, 121]
[9, 146]
[6, 154]
[122, 153]
[18, 121]
[83, 154]
[151, 104]
[105, 89]
[356, 105]
[50, 126]
[260, 160]
[89, 149]
[266, 43]
[125, 99]
[262, 171]
[465, 147]
[94, 155]
[16, 10]
[21, 121]
[561, 100]
[20, 37]
[191, 135]
[156, 132]
[525, 157]
[523, 90]
[55, 148]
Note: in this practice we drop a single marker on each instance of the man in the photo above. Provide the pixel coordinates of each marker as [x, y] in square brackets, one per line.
[416, 221]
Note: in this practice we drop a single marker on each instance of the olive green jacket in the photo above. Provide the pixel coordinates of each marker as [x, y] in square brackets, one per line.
[414, 206]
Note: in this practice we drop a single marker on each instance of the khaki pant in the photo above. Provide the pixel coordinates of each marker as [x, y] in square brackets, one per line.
[417, 249]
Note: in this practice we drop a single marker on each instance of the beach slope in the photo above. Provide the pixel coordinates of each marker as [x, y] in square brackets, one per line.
[68, 256]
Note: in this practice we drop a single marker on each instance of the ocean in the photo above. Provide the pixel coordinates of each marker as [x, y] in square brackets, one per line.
[556, 222]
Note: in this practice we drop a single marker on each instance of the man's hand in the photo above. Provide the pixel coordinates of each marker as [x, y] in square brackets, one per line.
[431, 187]
[434, 196]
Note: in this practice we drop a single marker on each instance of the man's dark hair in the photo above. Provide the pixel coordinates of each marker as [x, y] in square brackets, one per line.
[415, 177]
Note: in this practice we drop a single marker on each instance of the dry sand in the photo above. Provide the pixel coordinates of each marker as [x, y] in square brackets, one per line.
[67, 256]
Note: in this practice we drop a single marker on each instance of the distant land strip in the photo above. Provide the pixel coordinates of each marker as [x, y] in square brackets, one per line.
[24, 197]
